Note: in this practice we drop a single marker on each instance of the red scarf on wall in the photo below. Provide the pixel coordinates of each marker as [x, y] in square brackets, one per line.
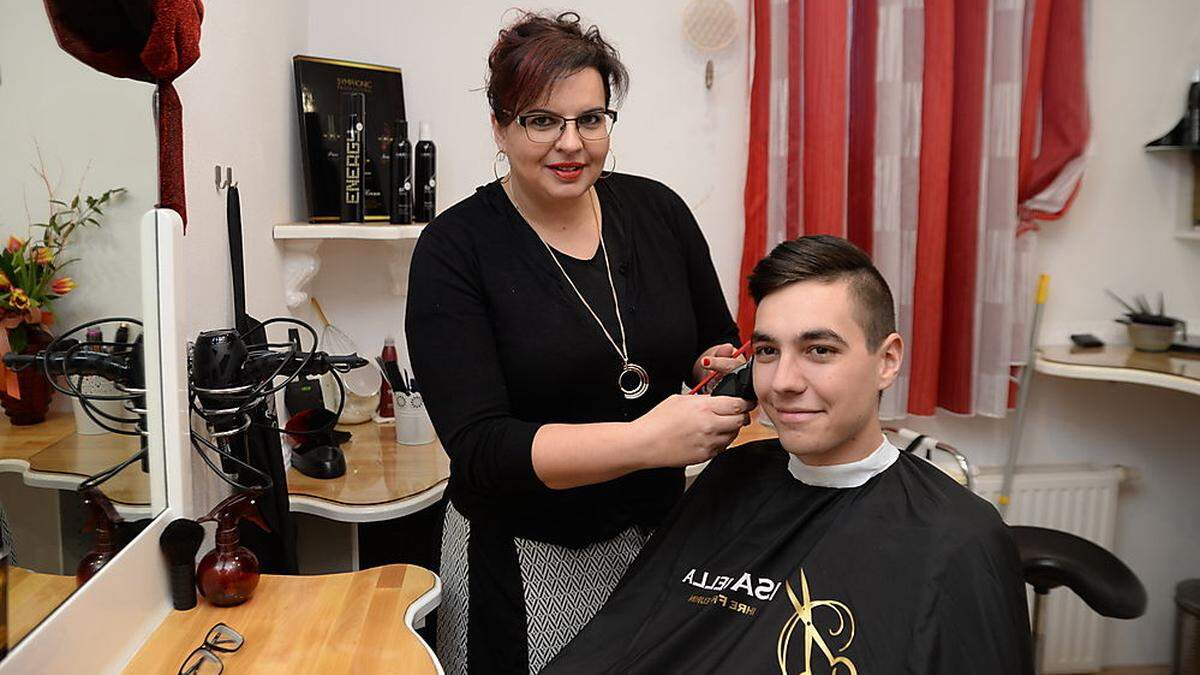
[149, 40]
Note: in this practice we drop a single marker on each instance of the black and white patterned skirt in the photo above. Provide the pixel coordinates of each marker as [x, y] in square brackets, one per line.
[510, 604]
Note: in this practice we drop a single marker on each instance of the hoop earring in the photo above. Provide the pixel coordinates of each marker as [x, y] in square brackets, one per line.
[500, 155]
[610, 171]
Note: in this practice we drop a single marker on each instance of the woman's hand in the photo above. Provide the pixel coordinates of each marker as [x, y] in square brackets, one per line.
[720, 359]
[685, 430]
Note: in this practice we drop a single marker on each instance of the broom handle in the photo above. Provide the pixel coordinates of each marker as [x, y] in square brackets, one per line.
[1014, 441]
[317, 306]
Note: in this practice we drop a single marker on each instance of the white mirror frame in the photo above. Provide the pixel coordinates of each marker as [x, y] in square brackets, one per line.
[102, 625]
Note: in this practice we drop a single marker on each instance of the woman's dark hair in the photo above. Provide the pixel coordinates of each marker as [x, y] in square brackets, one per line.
[824, 258]
[536, 51]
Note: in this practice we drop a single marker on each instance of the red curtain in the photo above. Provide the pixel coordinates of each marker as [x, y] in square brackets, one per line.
[929, 134]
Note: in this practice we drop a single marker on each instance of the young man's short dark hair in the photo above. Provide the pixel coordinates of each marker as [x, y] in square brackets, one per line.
[821, 257]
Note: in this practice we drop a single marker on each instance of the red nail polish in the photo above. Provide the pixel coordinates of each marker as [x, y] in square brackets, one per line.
[705, 362]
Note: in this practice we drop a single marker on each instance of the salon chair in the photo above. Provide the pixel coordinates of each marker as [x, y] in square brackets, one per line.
[1053, 558]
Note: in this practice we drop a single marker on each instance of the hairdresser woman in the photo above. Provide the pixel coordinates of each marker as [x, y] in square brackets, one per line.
[553, 317]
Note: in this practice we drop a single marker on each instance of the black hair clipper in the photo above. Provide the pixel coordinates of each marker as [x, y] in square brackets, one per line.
[738, 383]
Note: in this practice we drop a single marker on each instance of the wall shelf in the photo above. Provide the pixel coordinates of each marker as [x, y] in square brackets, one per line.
[1173, 141]
[372, 231]
[302, 241]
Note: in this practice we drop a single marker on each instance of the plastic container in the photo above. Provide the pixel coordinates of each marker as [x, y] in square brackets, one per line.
[413, 426]
[1147, 337]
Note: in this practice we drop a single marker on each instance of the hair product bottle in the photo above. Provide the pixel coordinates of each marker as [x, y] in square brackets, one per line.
[402, 186]
[354, 106]
[426, 171]
[387, 408]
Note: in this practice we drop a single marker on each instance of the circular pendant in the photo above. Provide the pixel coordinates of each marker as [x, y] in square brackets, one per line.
[634, 381]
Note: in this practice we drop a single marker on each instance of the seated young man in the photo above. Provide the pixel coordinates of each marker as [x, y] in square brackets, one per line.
[827, 550]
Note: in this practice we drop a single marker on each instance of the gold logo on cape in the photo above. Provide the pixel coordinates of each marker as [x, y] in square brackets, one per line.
[804, 606]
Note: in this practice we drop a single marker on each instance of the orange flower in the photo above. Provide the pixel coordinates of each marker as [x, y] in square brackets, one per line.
[19, 300]
[42, 255]
[4, 282]
[14, 244]
[62, 286]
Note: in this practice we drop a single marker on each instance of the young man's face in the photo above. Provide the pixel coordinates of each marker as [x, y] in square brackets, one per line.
[814, 375]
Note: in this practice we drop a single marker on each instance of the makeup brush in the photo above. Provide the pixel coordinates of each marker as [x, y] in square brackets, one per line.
[179, 542]
[1124, 304]
[384, 370]
[1142, 304]
[401, 381]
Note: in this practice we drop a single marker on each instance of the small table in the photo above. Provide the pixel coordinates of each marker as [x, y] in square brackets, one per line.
[1121, 363]
[360, 622]
[51, 455]
[383, 479]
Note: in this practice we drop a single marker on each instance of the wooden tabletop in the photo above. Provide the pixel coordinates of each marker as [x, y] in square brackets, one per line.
[1122, 363]
[21, 443]
[31, 598]
[382, 477]
[50, 454]
[360, 622]
[78, 457]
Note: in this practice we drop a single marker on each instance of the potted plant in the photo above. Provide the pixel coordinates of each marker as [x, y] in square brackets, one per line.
[31, 279]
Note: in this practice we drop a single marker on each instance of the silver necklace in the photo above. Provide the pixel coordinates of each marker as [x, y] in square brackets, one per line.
[633, 381]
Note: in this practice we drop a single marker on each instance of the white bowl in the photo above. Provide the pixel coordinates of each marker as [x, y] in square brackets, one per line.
[1146, 337]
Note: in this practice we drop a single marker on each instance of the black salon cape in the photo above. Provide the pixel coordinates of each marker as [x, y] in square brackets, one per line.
[909, 573]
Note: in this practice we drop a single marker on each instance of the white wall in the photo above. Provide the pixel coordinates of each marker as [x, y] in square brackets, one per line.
[78, 116]
[670, 128]
[239, 110]
[1119, 235]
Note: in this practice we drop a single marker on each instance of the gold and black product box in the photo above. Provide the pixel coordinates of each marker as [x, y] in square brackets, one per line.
[348, 115]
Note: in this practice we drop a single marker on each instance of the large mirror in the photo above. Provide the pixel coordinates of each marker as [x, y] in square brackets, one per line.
[77, 172]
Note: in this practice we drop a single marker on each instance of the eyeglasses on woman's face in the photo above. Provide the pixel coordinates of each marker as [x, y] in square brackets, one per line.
[542, 126]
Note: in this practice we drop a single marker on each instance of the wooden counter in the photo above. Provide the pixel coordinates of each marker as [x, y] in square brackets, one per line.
[1122, 363]
[383, 479]
[358, 623]
[66, 463]
[51, 455]
[386, 480]
[31, 598]
[18, 444]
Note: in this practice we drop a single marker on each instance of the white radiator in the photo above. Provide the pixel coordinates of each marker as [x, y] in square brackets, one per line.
[1082, 500]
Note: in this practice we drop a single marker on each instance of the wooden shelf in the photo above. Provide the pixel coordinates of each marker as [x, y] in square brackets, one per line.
[1172, 148]
[370, 231]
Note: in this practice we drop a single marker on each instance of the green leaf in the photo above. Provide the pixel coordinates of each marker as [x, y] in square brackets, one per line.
[17, 339]
[75, 202]
[60, 203]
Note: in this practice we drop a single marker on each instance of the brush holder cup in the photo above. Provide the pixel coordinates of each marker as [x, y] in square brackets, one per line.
[1147, 337]
[412, 420]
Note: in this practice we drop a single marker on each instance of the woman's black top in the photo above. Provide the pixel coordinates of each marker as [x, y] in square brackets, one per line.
[500, 344]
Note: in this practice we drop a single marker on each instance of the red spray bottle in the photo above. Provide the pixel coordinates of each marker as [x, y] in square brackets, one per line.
[102, 518]
[228, 574]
